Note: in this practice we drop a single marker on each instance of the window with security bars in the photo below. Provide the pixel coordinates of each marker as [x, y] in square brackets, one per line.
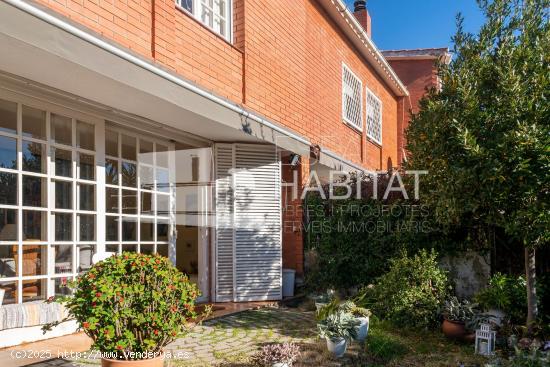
[374, 117]
[352, 95]
[215, 14]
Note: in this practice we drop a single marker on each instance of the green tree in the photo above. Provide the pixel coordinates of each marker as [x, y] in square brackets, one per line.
[484, 136]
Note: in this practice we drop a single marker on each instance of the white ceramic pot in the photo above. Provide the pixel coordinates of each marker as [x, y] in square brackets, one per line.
[280, 364]
[337, 346]
[2, 292]
[362, 329]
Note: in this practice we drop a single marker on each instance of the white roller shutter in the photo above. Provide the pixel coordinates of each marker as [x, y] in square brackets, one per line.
[225, 241]
[254, 200]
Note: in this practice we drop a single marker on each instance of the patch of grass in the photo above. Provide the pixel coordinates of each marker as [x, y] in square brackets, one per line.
[382, 345]
[218, 355]
[389, 345]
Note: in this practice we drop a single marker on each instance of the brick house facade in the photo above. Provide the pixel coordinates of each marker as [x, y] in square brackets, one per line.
[222, 102]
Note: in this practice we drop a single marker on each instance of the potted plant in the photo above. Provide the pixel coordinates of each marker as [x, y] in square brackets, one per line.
[322, 300]
[132, 306]
[338, 328]
[361, 314]
[456, 314]
[277, 355]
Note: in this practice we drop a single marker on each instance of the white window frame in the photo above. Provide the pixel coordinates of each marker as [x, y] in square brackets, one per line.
[99, 243]
[351, 74]
[169, 218]
[370, 116]
[49, 210]
[197, 8]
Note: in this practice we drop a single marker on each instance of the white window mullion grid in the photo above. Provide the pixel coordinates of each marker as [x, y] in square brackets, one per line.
[155, 197]
[19, 285]
[155, 191]
[76, 229]
[50, 225]
[172, 205]
[138, 197]
[99, 170]
[212, 10]
[119, 188]
[46, 245]
[49, 210]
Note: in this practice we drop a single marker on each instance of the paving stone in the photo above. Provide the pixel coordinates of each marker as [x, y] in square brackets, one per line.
[232, 338]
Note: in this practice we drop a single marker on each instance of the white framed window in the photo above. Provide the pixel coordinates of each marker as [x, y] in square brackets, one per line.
[215, 14]
[374, 117]
[48, 199]
[352, 97]
[68, 189]
[138, 192]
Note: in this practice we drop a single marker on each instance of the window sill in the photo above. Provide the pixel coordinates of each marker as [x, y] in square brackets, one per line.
[193, 18]
[374, 142]
[352, 126]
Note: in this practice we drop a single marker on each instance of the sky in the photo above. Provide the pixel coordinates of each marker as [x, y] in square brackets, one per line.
[401, 24]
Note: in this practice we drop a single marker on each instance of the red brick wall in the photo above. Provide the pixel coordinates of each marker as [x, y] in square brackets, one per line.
[417, 75]
[292, 214]
[126, 22]
[294, 73]
[285, 63]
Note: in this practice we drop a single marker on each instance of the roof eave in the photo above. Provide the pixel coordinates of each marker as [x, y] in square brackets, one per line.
[352, 28]
[443, 54]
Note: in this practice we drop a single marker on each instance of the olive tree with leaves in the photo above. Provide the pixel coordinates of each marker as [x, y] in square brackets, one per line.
[484, 136]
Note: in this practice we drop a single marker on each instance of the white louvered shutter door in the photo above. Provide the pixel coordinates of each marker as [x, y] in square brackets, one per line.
[256, 206]
[224, 223]
[258, 250]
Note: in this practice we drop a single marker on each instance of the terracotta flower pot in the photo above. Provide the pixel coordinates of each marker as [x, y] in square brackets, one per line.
[453, 329]
[153, 362]
[470, 338]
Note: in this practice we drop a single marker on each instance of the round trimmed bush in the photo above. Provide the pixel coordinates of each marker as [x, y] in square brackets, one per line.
[132, 305]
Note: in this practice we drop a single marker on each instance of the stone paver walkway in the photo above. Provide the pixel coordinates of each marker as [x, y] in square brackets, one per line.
[231, 340]
[237, 336]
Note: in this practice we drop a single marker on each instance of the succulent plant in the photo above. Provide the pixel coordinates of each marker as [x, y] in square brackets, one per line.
[339, 324]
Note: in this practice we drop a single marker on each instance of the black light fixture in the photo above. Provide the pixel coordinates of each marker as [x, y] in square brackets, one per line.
[294, 160]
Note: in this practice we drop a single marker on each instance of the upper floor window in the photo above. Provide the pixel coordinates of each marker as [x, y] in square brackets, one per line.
[215, 14]
[374, 117]
[352, 95]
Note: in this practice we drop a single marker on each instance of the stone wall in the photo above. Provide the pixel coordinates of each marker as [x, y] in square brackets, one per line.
[469, 271]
